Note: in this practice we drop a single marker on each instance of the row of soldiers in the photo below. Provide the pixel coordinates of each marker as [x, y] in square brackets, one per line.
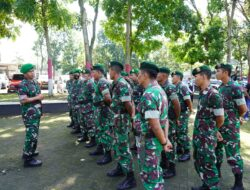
[107, 115]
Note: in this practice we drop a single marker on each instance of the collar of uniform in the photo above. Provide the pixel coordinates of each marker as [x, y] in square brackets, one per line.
[165, 84]
[205, 91]
[228, 83]
[153, 83]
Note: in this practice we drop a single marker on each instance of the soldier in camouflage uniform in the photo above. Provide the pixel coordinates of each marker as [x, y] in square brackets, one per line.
[30, 98]
[102, 101]
[137, 93]
[174, 109]
[235, 107]
[87, 116]
[123, 111]
[182, 139]
[151, 122]
[74, 100]
[209, 117]
[69, 85]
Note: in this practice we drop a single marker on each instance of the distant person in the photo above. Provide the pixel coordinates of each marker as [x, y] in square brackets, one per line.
[31, 104]
[191, 89]
[247, 98]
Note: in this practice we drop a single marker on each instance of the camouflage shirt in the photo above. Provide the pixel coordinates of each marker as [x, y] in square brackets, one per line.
[101, 88]
[137, 93]
[170, 91]
[233, 96]
[121, 92]
[76, 86]
[85, 97]
[29, 89]
[153, 104]
[183, 95]
[209, 107]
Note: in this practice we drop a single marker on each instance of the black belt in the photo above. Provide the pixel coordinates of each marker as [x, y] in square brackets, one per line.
[97, 104]
[85, 101]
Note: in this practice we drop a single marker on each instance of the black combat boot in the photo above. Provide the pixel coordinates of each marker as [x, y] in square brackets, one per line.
[105, 159]
[76, 130]
[82, 138]
[184, 157]
[116, 172]
[128, 183]
[218, 166]
[98, 151]
[71, 124]
[170, 172]
[29, 161]
[203, 187]
[238, 184]
[36, 153]
[91, 143]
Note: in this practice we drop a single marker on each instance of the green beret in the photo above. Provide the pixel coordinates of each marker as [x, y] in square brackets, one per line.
[134, 71]
[71, 72]
[26, 68]
[149, 66]
[99, 67]
[201, 69]
[164, 70]
[178, 73]
[86, 71]
[116, 63]
[124, 74]
[227, 67]
[77, 71]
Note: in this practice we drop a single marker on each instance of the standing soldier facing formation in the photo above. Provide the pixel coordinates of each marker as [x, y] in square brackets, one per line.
[182, 139]
[168, 160]
[209, 117]
[31, 104]
[69, 85]
[235, 107]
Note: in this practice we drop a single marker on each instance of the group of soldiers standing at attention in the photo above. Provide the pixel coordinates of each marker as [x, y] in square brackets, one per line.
[146, 109]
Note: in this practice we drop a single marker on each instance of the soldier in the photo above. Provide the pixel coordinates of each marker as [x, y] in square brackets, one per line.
[137, 93]
[87, 116]
[152, 123]
[124, 111]
[209, 117]
[182, 139]
[75, 105]
[31, 104]
[174, 109]
[235, 107]
[102, 101]
[69, 85]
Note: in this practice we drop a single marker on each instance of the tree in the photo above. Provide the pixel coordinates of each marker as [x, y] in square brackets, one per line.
[88, 47]
[42, 15]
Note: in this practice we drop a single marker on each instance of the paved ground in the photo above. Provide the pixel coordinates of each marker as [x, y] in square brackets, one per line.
[67, 166]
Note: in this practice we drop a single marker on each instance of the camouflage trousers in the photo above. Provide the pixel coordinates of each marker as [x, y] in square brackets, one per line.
[150, 170]
[122, 125]
[231, 143]
[75, 115]
[172, 138]
[205, 161]
[104, 127]
[31, 137]
[182, 139]
[87, 124]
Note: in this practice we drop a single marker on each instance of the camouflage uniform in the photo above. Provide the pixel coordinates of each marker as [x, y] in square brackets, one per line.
[121, 92]
[31, 114]
[74, 102]
[69, 85]
[204, 136]
[170, 91]
[103, 114]
[137, 93]
[232, 98]
[182, 139]
[153, 104]
[87, 116]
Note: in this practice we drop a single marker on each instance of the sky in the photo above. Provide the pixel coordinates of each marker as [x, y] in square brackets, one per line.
[22, 46]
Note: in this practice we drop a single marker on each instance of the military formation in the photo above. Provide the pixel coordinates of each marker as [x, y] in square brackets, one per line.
[142, 112]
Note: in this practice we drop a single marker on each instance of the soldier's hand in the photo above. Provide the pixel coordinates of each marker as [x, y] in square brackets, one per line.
[168, 147]
[178, 122]
[219, 136]
[40, 97]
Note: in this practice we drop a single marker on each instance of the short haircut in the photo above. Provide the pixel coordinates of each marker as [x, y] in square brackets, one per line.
[207, 73]
[152, 74]
[116, 68]
[229, 71]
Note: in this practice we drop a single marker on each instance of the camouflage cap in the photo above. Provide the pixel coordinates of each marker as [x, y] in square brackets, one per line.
[77, 71]
[26, 68]
[99, 67]
[227, 67]
[86, 71]
[134, 71]
[178, 73]
[116, 63]
[164, 70]
[149, 66]
[201, 69]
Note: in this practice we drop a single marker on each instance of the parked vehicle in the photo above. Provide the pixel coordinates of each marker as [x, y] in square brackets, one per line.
[4, 81]
[43, 81]
[14, 82]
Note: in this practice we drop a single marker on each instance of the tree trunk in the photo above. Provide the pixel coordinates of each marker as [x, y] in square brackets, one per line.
[47, 41]
[248, 60]
[128, 38]
[88, 60]
[230, 16]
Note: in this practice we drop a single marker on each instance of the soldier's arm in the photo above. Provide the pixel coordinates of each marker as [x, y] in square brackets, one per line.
[129, 107]
[177, 108]
[242, 110]
[24, 99]
[239, 99]
[189, 104]
[187, 98]
[219, 121]
[216, 103]
[104, 89]
[107, 99]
